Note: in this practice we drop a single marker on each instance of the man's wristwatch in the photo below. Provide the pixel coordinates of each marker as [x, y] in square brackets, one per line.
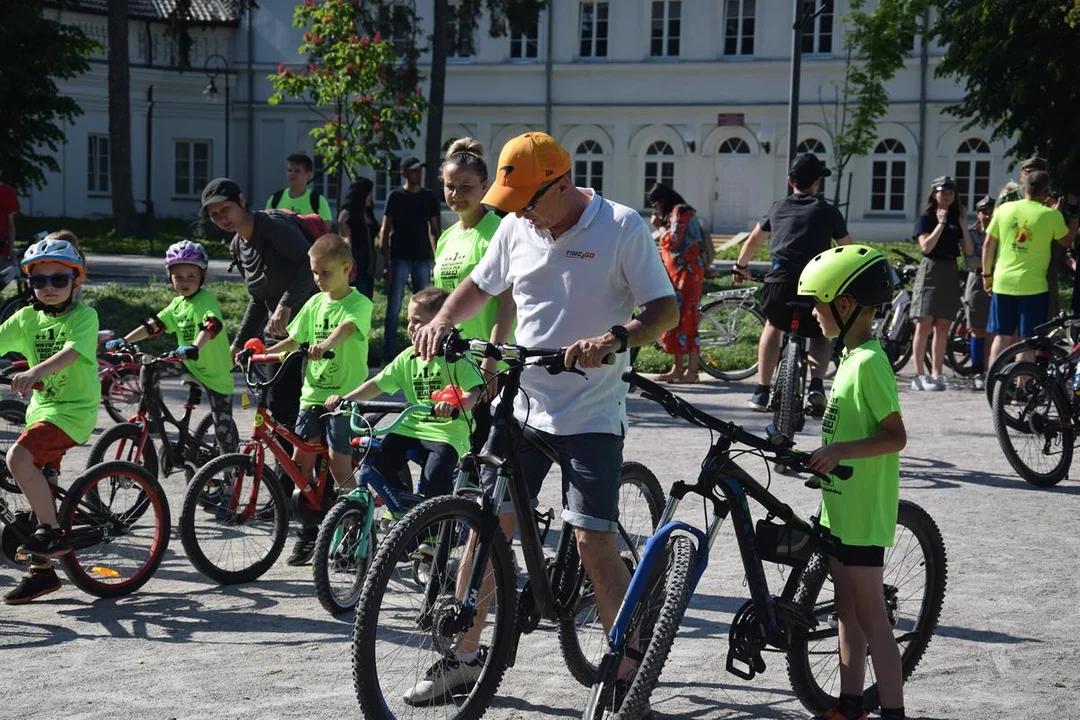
[622, 335]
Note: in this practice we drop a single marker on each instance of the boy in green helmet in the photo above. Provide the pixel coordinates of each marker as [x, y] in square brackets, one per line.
[863, 429]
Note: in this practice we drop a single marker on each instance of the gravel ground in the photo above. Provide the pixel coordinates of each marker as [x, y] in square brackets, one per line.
[1008, 644]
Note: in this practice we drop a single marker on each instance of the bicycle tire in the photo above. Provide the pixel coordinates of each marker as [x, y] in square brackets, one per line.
[333, 602]
[787, 402]
[120, 393]
[13, 416]
[724, 333]
[570, 642]
[82, 508]
[678, 579]
[205, 485]
[925, 532]
[1057, 431]
[125, 437]
[958, 347]
[1038, 345]
[390, 558]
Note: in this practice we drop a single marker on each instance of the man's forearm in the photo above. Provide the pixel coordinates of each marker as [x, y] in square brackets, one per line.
[656, 317]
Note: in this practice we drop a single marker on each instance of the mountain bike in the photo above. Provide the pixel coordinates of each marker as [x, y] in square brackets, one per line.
[893, 326]
[470, 553]
[116, 517]
[801, 622]
[1052, 342]
[788, 401]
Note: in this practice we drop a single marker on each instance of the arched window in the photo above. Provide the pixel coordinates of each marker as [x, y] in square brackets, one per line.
[972, 172]
[889, 177]
[734, 145]
[659, 166]
[589, 166]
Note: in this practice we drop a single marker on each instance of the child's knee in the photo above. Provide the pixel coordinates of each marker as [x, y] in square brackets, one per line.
[19, 456]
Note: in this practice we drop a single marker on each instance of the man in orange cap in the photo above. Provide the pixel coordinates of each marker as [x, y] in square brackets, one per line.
[578, 265]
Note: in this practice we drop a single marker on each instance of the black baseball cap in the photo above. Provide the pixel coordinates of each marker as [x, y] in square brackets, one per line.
[806, 169]
[220, 190]
[944, 182]
[411, 163]
[986, 204]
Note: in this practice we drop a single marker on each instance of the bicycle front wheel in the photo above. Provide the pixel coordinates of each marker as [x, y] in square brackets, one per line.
[582, 638]
[728, 334]
[406, 634]
[343, 550]
[915, 575]
[120, 393]
[233, 522]
[1033, 423]
[118, 537]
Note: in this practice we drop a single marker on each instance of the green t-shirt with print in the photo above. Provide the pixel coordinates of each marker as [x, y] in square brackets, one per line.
[184, 317]
[348, 369]
[862, 510]
[458, 252]
[71, 397]
[418, 379]
[302, 205]
[1025, 231]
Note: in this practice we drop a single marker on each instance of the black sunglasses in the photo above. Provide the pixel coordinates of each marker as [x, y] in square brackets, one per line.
[540, 193]
[59, 280]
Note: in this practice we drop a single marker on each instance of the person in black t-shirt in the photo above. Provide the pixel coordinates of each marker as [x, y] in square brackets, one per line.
[942, 232]
[410, 230]
[797, 228]
[357, 224]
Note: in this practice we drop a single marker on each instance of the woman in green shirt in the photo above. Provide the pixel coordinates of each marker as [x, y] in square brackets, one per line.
[465, 180]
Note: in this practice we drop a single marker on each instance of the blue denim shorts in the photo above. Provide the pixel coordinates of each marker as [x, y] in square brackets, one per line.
[1017, 314]
[332, 429]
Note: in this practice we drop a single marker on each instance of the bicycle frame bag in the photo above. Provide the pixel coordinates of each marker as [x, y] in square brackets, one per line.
[782, 543]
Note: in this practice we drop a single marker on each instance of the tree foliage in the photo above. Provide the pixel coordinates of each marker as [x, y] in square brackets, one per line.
[1017, 64]
[877, 42]
[35, 52]
[354, 83]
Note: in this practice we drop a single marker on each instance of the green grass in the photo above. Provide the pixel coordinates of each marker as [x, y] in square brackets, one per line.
[98, 235]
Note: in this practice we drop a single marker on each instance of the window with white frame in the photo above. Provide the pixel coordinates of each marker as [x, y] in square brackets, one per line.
[735, 146]
[659, 167]
[666, 28]
[525, 44]
[589, 166]
[191, 169]
[739, 27]
[459, 32]
[972, 172]
[397, 23]
[817, 38]
[324, 182]
[387, 180]
[888, 176]
[593, 25]
[815, 146]
[97, 164]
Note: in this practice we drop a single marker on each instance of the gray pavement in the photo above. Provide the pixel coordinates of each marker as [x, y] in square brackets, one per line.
[140, 269]
[1008, 644]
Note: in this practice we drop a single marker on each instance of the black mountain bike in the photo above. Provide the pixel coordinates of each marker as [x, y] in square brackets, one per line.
[403, 627]
[801, 623]
[788, 401]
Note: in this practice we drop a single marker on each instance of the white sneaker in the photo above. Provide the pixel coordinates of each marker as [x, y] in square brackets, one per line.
[922, 383]
[447, 677]
[941, 381]
[979, 383]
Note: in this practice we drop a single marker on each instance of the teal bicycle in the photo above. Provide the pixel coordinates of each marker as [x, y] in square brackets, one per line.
[348, 535]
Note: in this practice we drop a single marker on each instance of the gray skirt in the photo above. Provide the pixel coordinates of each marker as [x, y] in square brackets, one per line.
[937, 290]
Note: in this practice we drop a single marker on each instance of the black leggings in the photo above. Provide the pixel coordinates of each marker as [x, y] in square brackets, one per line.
[440, 460]
[228, 439]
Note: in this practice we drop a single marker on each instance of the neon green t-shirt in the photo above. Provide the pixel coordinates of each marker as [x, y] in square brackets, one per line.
[418, 379]
[458, 252]
[348, 369]
[71, 397]
[184, 317]
[302, 205]
[1025, 231]
[862, 510]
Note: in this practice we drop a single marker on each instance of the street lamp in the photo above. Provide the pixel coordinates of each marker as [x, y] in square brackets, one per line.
[217, 65]
[804, 16]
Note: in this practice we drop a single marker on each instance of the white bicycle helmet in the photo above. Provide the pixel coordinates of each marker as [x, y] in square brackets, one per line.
[53, 250]
[186, 252]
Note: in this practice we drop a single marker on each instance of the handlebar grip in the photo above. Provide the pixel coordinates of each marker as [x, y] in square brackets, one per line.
[378, 406]
[266, 359]
[842, 472]
[328, 355]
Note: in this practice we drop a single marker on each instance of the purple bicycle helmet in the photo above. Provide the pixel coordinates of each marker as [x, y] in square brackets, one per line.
[186, 252]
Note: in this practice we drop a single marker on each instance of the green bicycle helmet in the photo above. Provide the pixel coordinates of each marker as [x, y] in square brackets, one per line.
[856, 270]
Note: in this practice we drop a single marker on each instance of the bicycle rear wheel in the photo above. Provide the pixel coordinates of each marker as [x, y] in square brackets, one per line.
[404, 630]
[915, 575]
[728, 333]
[787, 397]
[120, 393]
[234, 522]
[654, 622]
[1033, 423]
[582, 638]
[343, 551]
[118, 537]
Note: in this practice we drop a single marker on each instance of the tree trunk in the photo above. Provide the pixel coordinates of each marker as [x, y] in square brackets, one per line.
[123, 198]
[439, 47]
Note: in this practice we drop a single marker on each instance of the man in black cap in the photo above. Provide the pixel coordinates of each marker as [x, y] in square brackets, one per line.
[797, 228]
[409, 233]
[272, 254]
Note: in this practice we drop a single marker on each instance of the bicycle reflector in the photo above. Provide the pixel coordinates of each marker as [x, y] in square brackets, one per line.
[451, 394]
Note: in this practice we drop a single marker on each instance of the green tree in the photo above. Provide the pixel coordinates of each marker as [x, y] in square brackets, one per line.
[877, 42]
[1017, 63]
[351, 81]
[35, 52]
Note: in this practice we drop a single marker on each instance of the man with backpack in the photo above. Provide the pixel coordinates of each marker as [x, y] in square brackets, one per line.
[298, 197]
[270, 248]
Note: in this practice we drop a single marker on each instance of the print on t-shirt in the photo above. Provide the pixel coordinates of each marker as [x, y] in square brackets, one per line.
[323, 372]
[425, 381]
[48, 342]
[450, 264]
[828, 428]
[1021, 232]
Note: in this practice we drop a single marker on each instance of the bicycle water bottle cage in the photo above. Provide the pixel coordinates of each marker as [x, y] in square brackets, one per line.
[544, 520]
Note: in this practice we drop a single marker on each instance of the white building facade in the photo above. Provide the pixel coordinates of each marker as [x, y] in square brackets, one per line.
[690, 92]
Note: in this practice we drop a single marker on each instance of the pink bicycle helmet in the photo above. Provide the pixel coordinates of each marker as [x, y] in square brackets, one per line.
[186, 252]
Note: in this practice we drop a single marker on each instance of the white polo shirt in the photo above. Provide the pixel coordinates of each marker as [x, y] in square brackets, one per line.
[567, 289]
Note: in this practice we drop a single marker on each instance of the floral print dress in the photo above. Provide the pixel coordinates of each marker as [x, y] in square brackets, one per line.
[680, 249]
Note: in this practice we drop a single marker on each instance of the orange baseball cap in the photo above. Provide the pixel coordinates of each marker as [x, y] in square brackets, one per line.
[526, 164]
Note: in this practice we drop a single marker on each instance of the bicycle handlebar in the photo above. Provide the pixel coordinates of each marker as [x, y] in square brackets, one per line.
[246, 360]
[456, 347]
[357, 409]
[677, 407]
[1060, 321]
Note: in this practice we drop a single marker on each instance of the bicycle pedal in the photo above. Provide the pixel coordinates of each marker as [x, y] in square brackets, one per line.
[753, 666]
